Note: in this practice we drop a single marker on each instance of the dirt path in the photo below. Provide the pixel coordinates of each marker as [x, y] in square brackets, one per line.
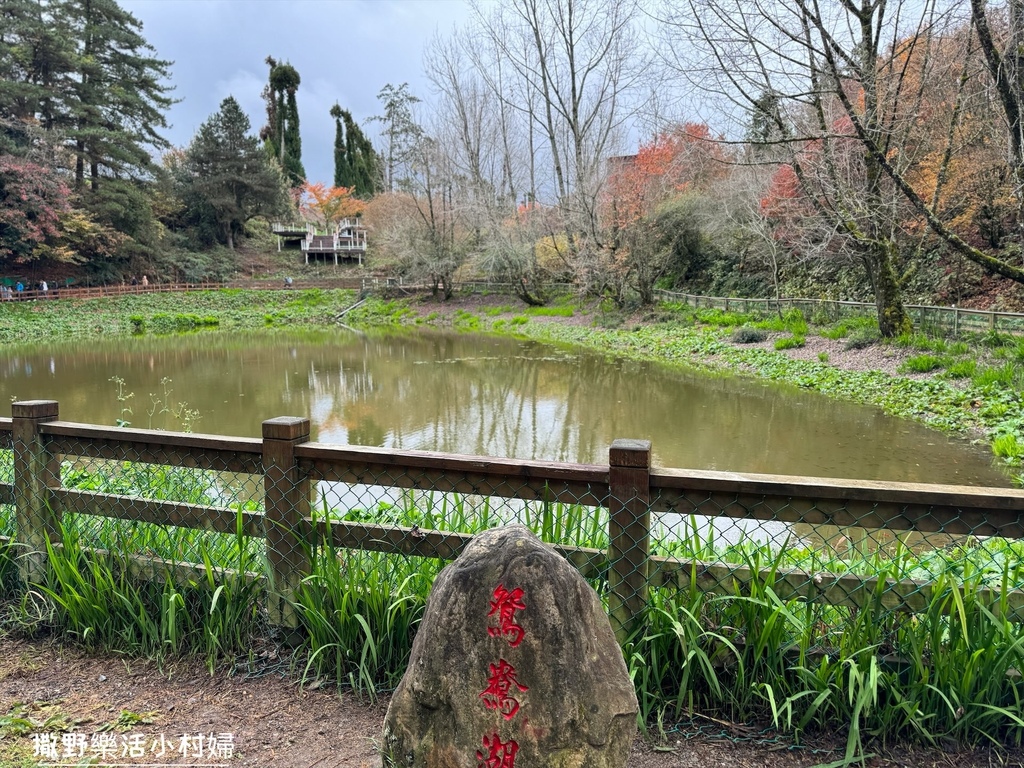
[263, 717]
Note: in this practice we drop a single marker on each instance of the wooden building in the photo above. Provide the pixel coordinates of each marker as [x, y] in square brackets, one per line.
[345, 242]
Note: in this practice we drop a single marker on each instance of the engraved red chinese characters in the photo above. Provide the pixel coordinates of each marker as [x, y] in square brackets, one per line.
[498, 694]
[499, 754]
[504, 605]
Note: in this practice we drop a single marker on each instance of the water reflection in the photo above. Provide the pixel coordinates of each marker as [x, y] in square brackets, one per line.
[487, 396]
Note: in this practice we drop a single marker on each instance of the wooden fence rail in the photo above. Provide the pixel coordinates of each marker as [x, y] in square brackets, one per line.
[290, 467]
[953, 319]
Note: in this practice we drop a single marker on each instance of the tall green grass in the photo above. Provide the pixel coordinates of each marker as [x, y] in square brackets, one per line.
[97, 597]
[950, 671]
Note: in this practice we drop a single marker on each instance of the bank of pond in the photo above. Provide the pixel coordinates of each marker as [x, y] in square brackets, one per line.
[950, 669]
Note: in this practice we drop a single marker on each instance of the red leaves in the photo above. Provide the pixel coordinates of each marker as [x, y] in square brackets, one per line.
[673, 162]
[32, 200]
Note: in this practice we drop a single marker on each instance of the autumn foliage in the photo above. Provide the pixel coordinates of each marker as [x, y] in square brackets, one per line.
[33, 198]
[685, 159]
[330, 205]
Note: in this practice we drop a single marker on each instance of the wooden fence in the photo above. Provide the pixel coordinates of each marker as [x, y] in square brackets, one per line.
[289, 464]
[951, 320]
[126, 289]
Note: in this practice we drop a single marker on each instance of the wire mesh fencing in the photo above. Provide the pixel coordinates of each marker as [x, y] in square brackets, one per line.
[314, 531]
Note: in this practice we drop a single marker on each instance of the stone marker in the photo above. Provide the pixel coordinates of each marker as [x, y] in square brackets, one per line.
[515, 665]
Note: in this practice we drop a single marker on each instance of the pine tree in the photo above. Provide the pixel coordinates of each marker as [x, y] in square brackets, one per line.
[37, 62]
[226, 178]
[121, 93]
[82, 72]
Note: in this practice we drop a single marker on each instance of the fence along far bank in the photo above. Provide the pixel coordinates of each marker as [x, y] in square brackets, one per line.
[951, 320]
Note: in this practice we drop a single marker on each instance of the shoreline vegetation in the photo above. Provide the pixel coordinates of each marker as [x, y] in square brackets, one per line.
[949, 673]
[970, 386]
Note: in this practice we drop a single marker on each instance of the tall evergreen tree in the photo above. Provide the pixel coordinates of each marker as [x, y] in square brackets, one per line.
[121, 93]
[38, 60]
[226, 177]
[355, 161]
[82, 72]
[341, 168]
[281, 133]
[401, 133]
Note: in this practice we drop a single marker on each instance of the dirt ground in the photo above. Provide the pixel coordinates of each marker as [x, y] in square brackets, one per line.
[257, 714]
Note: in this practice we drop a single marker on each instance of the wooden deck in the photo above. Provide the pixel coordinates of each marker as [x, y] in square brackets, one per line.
[347, 243]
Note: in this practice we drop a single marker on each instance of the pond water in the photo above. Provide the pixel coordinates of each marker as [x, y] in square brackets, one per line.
[483, 395]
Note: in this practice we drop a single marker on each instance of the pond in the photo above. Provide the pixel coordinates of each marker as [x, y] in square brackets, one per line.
[475, 394]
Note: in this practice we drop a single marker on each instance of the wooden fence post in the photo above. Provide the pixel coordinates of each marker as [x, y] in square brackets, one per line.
[629, 533]
[286, 503]
[36, 470]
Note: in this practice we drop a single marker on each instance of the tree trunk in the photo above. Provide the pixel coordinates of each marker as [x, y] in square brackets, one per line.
[79, 164]
[525, 295]
[893, 319]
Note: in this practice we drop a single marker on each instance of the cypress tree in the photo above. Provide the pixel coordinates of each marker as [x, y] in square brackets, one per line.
[355, 161]
[341, 170]
[281, 133]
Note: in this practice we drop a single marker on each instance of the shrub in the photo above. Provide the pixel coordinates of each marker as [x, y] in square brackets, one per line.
[823, 357]
[923, 364]
[862, 338]
[610, 320]
[748, 335]
[789, 342]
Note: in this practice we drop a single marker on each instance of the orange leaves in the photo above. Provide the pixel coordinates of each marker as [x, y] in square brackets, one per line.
[330, 205]
[673, 162]
[783, 190]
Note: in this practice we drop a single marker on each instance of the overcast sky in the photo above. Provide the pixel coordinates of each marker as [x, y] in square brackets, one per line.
[344, 51]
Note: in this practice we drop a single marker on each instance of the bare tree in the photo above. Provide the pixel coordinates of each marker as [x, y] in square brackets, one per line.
[880, 62]
[573, 69]
[489, 144]
[838, 73]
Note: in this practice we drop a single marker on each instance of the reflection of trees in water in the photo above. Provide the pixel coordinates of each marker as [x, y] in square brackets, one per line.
[492, 396]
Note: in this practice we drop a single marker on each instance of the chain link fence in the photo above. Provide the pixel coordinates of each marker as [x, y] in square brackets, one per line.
[7, 517]
[338, 545]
